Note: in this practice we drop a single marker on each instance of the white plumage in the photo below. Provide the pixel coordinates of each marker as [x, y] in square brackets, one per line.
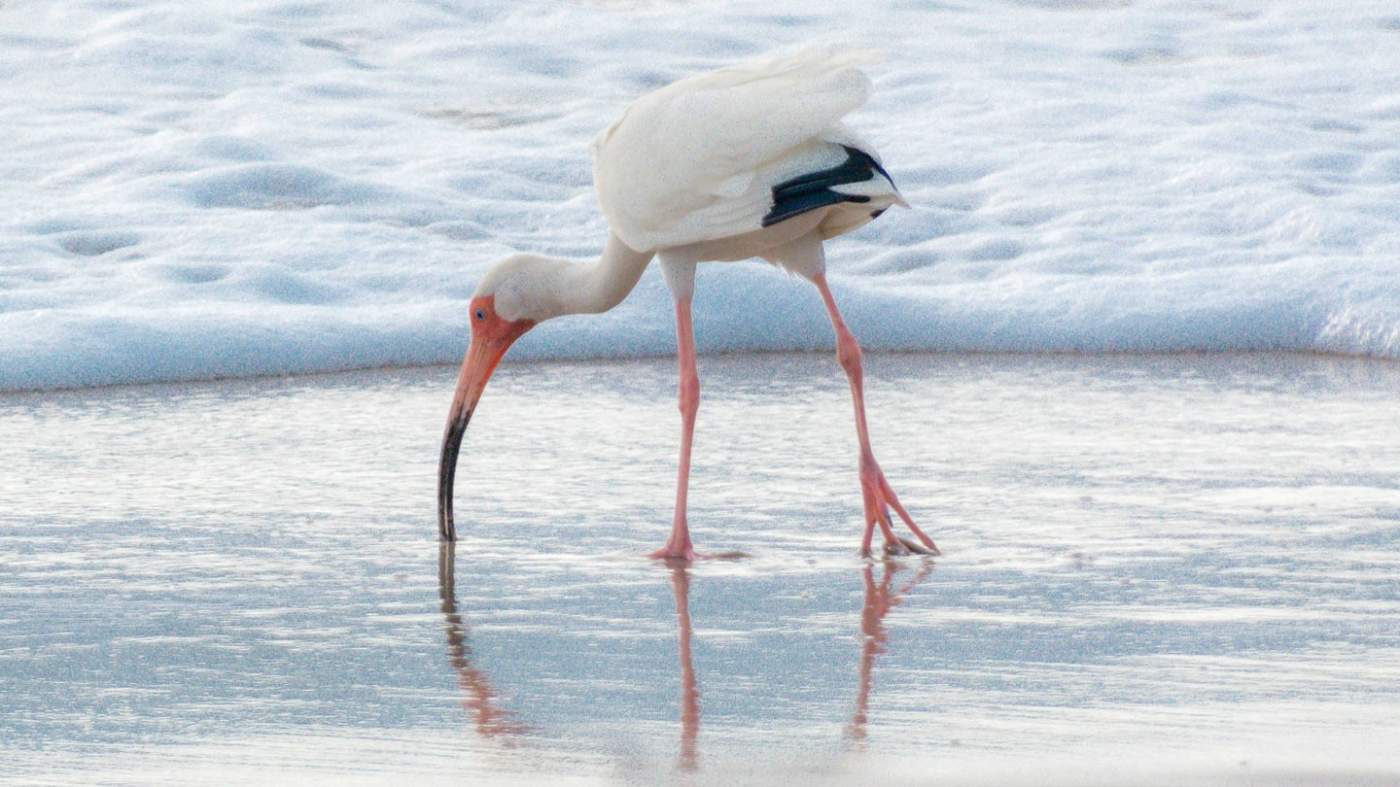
[748, 161]
[697, 160]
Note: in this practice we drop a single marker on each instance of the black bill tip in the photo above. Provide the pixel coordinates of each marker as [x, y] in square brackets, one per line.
[447, 471]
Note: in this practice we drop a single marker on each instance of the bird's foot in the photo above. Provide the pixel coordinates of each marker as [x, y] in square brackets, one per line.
[685, 553]
[902, 547]
[879, 499]
[678, 548]
[676, 554]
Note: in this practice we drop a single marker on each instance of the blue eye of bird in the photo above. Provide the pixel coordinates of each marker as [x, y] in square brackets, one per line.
[481, 314]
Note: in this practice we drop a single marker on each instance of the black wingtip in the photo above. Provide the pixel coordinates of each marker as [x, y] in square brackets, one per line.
[813, 190]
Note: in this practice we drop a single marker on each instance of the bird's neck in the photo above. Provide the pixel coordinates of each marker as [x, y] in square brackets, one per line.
[595, 287]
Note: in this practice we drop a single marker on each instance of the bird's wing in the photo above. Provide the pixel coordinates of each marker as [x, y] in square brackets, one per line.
[685, 163]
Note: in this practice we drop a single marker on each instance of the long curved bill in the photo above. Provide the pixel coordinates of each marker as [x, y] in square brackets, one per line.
[482, 358]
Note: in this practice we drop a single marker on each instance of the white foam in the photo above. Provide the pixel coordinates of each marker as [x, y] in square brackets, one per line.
[197, 190]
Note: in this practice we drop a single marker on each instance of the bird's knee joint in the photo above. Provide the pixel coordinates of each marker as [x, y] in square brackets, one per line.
[690, 397]
[848, 353]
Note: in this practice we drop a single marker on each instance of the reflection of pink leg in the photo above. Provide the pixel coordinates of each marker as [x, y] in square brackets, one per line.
[879, 600]
[690, 692]
[678, 546]
[879, 497]
[872, 626]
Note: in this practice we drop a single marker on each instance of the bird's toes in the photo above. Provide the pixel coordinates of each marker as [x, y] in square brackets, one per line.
[916, 547]
[897, 548]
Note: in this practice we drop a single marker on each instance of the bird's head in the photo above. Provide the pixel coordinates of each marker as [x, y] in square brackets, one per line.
[510, 300]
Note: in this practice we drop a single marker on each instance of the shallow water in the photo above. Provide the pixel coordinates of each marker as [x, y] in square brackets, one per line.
[1176, 564]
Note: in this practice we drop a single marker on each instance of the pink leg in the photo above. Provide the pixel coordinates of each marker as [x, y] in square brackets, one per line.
[678, 546]
[879, 497]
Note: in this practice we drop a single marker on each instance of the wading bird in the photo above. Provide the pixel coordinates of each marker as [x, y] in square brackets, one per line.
[747, 161]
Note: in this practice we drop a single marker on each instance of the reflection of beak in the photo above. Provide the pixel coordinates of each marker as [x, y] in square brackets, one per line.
[481, 699]
[481, 360]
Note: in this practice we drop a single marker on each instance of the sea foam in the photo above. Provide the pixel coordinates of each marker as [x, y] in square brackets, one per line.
[195, 190]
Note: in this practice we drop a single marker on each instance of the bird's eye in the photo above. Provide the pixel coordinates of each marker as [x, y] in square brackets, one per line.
[481, 314]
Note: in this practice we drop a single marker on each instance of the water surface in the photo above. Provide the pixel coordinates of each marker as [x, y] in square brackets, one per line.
[1175, 564]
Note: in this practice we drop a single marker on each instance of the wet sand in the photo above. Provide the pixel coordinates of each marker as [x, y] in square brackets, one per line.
[1155, 568]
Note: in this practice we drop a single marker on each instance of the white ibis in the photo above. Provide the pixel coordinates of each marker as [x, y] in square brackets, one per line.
[747, 161]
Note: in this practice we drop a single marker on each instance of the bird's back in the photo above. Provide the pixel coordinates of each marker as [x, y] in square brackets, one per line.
[700, 159]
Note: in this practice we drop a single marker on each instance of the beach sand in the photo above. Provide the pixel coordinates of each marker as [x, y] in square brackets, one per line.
[1156, 568]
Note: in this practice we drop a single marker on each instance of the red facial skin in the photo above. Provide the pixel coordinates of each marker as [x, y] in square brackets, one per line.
[492, 336]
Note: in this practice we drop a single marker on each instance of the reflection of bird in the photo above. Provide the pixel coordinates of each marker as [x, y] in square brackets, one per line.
[690, 692]
[749, 161]
[878, 603]
[481, 700]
